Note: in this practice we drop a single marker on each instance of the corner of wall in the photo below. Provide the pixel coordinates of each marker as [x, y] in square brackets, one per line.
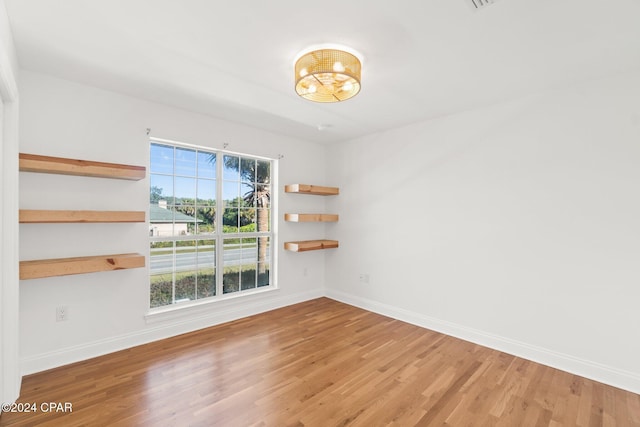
[10, 377]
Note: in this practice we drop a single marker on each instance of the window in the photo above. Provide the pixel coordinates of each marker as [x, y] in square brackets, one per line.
[210, 219]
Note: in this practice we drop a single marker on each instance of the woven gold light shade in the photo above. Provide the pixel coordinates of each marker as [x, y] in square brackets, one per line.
[327, 75]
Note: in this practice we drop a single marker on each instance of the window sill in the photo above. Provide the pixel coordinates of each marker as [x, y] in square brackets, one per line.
[194, 310]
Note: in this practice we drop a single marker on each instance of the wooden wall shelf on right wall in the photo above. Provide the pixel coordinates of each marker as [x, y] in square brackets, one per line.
[315, 190]
[294, 217]
[311, 245]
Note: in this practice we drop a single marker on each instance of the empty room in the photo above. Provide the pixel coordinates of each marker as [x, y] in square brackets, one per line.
[377, 213]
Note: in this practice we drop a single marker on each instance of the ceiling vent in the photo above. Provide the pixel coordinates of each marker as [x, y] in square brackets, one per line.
[480, 4]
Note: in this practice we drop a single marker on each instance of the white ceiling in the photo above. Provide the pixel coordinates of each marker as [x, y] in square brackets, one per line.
[234, 59]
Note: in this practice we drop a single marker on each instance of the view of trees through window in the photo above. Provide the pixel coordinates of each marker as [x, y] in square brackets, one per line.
[209, 223]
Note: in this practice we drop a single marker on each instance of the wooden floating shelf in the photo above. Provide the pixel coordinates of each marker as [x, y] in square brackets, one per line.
[310, 245]
[311, 217]
[311, 189]
[66, 266]
[48, 216]
[60, 165]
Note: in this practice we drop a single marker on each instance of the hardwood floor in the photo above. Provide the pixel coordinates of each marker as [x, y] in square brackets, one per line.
[319, 363]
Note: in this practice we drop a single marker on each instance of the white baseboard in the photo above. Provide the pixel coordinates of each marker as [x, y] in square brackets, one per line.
[174, 326]
[605, 374]
[160, 330]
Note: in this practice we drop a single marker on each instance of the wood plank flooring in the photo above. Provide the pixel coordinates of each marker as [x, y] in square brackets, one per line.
[319, 363]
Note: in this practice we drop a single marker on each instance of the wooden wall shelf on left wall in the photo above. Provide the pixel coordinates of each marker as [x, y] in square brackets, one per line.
[64, 166]
[36, 269]
[41, 268]
[31, 216]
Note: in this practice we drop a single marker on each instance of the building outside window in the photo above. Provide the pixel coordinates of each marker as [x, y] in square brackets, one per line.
[210, 224]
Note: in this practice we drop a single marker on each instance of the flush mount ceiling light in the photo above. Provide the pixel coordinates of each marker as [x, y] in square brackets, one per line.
[327, 75]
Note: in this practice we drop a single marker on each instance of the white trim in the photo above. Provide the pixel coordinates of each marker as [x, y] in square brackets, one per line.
[175, 327]
[602, 373]
[198, 308]
[10, 378]
[172, 326]
[218, 236]
[10, 301]
[206, 148]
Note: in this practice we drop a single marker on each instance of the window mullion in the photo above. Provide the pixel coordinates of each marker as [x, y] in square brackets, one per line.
[196, 231]
[173, 227]
[219, 237]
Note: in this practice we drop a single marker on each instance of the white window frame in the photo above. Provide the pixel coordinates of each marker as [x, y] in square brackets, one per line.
[219, 236]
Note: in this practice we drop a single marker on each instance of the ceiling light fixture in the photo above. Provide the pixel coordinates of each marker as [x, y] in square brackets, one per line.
[327, 75]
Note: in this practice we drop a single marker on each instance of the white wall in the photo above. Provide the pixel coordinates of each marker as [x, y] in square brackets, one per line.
[9, 295]
[107, 310]
[515, 226]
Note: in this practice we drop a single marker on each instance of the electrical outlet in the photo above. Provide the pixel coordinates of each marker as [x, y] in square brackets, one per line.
[305, 271]
[364, 278]
[62, 313]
